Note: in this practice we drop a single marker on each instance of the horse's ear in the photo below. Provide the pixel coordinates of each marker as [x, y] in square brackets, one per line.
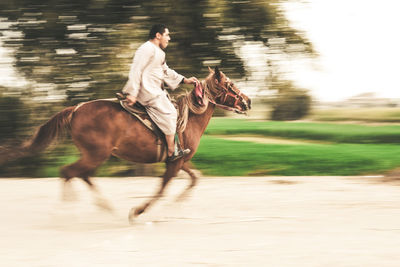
[210, 70]
[217, 74]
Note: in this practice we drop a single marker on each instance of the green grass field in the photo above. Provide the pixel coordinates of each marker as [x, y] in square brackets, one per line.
[340, 133]
[221, 157]
[351, 149]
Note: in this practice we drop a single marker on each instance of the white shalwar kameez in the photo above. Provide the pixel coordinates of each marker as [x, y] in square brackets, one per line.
[147, 74]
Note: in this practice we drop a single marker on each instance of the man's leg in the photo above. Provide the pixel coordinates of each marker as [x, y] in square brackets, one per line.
[165, 116]
[174, 151]
[170, 144]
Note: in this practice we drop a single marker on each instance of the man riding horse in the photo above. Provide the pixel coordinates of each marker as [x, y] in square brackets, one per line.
[147, 75]
[102, 127]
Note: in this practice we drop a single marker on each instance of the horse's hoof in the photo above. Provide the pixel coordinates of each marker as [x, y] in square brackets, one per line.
[139, 211]
[104, 205]
[133, 213]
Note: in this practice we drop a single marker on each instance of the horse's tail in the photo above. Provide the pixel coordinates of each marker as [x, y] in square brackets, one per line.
[49, 131]
[43, 137]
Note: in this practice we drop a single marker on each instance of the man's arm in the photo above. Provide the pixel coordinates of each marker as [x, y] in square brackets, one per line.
[171, 77]
[191, 80]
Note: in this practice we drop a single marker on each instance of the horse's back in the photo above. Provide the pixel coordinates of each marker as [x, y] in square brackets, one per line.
[97, 112]
[105, 125]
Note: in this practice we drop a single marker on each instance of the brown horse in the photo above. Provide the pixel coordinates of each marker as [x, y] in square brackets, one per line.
[102, 128]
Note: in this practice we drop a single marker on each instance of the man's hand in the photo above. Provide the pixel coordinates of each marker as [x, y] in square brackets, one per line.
[131, 100]
[191, 80]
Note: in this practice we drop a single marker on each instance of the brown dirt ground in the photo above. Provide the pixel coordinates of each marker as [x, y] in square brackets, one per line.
[226, 221]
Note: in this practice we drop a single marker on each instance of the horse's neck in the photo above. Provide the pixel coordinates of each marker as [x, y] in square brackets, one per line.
[202, 120]
[197, 124]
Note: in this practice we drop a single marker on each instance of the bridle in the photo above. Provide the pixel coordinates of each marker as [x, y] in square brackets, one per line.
[227, 94]
[207, 92]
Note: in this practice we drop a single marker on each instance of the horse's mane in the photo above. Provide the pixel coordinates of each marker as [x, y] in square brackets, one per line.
[187, 102]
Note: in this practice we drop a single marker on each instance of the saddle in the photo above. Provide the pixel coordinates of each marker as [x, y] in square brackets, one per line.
[140, 113]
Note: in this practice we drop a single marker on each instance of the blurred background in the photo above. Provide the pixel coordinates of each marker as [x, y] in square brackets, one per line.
[321, 77]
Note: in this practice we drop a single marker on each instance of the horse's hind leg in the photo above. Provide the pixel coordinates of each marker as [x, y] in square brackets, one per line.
[84, 168]
[170, 172]
[68, 193]
[100, 200]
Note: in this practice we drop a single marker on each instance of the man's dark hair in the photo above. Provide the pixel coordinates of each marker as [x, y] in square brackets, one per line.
[160, 28]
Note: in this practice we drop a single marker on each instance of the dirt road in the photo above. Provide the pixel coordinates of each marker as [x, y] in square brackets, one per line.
[265, 221]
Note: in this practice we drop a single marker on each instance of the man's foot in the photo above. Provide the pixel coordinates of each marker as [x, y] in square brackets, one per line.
[181, 153]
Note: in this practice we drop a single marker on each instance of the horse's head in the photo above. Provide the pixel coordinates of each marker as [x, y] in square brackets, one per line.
[224, 92]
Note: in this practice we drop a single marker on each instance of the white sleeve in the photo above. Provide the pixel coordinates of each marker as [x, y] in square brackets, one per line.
[141, 59]
[171, 77]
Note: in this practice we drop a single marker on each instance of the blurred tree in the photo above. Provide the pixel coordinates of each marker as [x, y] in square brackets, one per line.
[13, 117]
[81, 50]
[290, 103]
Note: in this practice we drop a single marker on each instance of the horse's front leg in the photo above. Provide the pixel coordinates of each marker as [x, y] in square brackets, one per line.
[187, 168]
[193, 180]
[170, 172]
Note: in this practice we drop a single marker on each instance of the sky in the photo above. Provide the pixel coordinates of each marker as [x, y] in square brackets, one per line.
[358, 45]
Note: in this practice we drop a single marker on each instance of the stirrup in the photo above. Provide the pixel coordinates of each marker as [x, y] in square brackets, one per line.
[177, 155]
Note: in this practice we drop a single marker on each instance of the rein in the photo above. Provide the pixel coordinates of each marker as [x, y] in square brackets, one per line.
[190, 101]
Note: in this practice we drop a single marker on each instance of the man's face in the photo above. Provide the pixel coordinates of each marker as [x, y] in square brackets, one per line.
[164, 39]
